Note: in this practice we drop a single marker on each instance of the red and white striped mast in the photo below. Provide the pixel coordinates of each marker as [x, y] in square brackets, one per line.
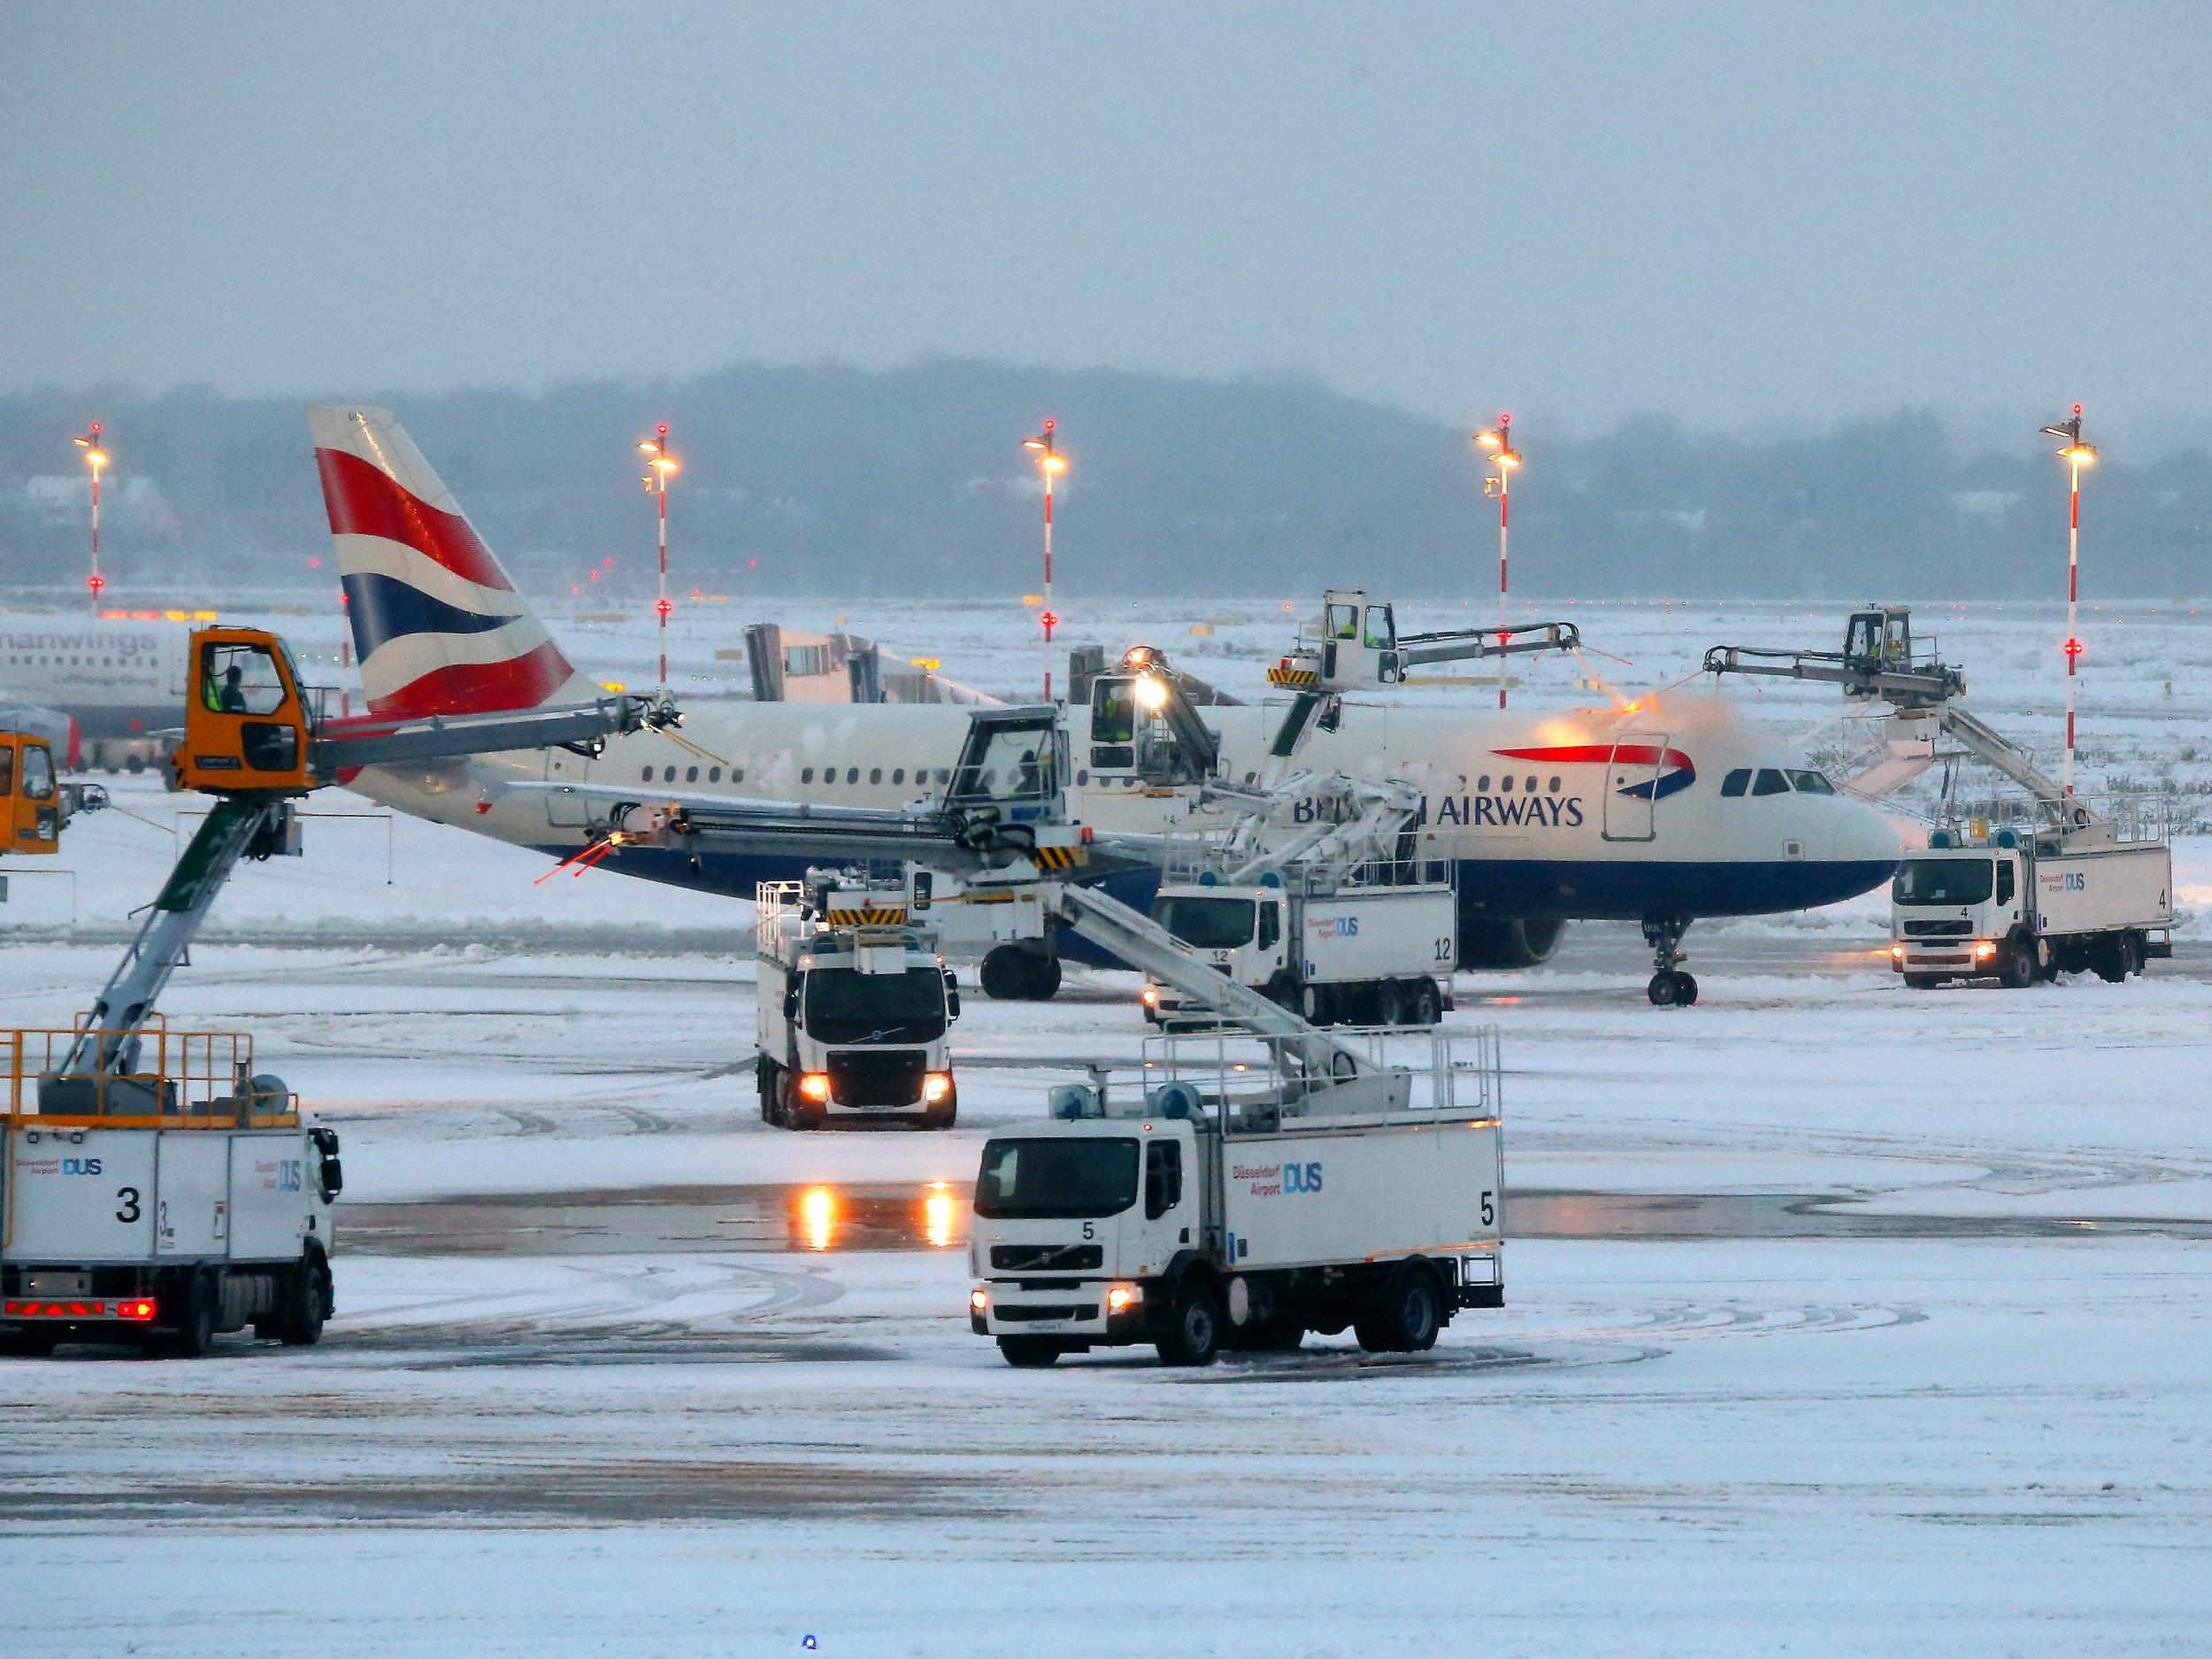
[661, 463]
[96, 456]
[1051, 463]
[2076, 454]
[1497, 444]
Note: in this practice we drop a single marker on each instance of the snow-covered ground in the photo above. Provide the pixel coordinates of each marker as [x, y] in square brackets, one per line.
[1982, 1430]
[1986, 1443]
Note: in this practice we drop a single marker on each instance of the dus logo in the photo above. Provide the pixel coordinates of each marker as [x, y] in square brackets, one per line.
[80, 1166]
[1302, 1178]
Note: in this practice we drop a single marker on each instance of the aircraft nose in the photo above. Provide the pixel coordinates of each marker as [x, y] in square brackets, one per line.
[1867, 837]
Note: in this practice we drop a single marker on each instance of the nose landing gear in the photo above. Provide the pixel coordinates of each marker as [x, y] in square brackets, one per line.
[1670, 986]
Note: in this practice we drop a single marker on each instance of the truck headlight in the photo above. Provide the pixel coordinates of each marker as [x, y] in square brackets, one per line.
[1121, 1298]
[935, 1086]
[979, 1301]
[814, 1085]
[1983, 949]
[1151, 996]
[1897, 953]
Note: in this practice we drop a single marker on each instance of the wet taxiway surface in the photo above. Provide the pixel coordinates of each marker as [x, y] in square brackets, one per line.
[693, 1220]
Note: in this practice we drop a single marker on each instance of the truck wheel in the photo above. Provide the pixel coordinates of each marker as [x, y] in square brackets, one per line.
[765, 1085]
[2016, 969]
[1028, 1352]
[306, 1302]
[1428, 1003]
[2046, 961]
[1408, 1316]
[1390, 1003]
[2134, 953]
[1011, 973]
[1313, 1003]
[2112, 961]
[28, 1344]
[1193, 1335]
[194, 1334]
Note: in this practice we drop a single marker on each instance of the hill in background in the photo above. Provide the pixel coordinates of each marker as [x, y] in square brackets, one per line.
[833, 479]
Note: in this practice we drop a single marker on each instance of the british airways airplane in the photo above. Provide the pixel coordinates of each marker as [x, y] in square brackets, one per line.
[1658, 814]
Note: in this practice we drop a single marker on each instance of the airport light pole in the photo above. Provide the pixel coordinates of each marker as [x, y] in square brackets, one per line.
[1496, 445]
[2076, 454]
[96, 456]
[660, 464]
[1051, 463]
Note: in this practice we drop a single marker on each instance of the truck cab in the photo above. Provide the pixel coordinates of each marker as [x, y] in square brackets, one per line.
[248, 723]
[1082, 1225]
[1960, 912]
[853, 1010]
[31, 803]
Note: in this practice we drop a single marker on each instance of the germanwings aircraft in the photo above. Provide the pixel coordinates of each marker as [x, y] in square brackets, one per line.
[1646, 815]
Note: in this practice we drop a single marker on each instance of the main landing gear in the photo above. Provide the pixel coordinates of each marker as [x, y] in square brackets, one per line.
[1670, 986]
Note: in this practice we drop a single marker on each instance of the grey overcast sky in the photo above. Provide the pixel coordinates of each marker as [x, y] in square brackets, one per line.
[1736, 212]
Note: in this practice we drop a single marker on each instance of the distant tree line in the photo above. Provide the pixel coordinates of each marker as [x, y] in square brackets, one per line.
[833, 479]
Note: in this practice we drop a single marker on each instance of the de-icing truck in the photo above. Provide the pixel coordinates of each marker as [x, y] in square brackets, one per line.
[161, 1206]
[852, 1006]
[1237, 1202]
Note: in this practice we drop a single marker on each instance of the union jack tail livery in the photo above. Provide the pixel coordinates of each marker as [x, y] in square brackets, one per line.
[437, 625]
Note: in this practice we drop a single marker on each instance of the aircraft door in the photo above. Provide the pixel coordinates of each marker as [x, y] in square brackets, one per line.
[1632, 786]
[566, 812]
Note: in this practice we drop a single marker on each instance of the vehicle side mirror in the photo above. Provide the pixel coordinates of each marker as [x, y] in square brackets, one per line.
[952, 996]
[791, 1004]
[924, 886]
[331, 1178]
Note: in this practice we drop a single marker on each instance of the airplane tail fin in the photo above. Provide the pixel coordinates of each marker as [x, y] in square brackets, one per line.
[437, 626]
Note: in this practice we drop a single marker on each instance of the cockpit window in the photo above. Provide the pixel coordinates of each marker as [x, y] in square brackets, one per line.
[1770, 783]
[1736, 781]
[1811, 783]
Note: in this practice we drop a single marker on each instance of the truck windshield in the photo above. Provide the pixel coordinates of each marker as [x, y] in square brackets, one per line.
[1208, 924]
[1942, 881]
[1059, 1177]
[845, 1005]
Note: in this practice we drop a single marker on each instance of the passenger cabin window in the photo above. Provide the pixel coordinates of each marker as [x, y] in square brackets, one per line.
[1736, 781]
[1770, 783]
[7, 770]
[807, 775]
[1811, 783]
[240, 680]
[1162, 1178]
[2004, 881]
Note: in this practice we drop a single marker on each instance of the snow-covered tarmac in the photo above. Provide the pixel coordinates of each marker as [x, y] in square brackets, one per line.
[1978, 1443]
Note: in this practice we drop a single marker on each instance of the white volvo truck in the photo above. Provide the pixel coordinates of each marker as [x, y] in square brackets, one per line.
[2066, 893]
[1242, 1196]
[1377, 953]
[2020, 907]
[852, 1007]
[162, 1206]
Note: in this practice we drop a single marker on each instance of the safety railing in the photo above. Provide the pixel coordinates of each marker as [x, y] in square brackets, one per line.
[1251, 1084]
[177, 1079]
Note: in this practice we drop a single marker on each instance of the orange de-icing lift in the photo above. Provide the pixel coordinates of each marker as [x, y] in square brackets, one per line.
[155, 1186]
